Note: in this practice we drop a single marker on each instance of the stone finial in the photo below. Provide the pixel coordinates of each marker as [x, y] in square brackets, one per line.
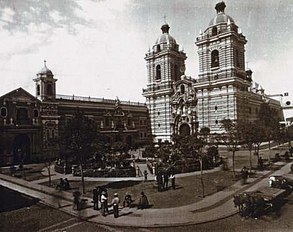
[220, 7]
[165, 28]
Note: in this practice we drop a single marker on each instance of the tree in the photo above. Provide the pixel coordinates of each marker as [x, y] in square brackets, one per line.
[192, 146]
[78, 136]
[252, 135]
[51, 149]
[270, 119]
[205, 131]
[231, 138]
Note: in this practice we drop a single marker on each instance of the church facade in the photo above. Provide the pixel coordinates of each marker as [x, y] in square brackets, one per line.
[28, 122]
[224, 88]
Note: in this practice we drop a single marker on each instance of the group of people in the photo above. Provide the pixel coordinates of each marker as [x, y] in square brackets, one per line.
[163, 181]
[100, 200]
[63, 184]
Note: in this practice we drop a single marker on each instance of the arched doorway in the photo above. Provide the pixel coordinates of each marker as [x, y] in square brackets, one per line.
[184, 129]
[21, 149]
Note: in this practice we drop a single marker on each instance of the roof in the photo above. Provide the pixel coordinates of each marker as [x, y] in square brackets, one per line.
[165, 37]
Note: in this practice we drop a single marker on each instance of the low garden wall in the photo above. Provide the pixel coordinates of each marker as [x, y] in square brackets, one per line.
[90, 172]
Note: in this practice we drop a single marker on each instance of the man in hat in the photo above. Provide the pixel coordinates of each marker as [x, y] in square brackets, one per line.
[115, 204]
[104, 203]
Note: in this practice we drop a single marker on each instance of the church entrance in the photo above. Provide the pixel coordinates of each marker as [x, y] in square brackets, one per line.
[184, 130]
[21, 149]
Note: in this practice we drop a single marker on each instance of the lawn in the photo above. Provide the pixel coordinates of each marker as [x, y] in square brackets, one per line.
[31, 218]
[188, 189]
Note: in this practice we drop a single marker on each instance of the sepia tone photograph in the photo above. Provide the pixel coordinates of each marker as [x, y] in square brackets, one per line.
[146, 115]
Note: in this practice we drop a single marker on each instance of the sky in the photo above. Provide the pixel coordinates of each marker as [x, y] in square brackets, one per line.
[96, 47]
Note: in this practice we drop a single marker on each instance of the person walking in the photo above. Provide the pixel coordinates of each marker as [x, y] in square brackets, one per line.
[95, 198]
[99, 194]
[104, 203]
[139, 173]
[172, 178]
[166, 179]
[76, 200]
[60, 186]
[159, 181]
[145, 173]
[66, 184]
[244, 174]
[115, 203]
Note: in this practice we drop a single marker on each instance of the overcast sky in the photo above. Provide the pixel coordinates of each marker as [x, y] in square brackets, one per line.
[97, 48]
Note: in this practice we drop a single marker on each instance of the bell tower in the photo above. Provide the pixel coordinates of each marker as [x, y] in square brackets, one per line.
[165, 65]
[222, 82]
[45, 84]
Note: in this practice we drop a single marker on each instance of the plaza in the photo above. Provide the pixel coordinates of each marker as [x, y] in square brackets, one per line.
[184, 151]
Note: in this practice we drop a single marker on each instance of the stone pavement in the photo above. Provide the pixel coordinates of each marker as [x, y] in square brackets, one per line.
[210, 208]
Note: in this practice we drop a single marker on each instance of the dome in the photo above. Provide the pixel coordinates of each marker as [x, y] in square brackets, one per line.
[45, 70]
[221, 17]
[165, 38]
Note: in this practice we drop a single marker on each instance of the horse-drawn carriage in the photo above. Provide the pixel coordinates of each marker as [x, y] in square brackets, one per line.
[257, 203]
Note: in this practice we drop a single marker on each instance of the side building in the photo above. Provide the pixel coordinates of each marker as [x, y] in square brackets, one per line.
[28, 122]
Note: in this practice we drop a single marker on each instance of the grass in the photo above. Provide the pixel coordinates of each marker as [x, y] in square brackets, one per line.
[188, 189]
[31, 218]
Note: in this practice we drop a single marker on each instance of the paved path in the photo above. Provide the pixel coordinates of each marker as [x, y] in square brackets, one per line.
[216, 206]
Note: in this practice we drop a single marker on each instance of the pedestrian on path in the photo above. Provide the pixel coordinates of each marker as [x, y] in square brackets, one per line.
[166, 179]
[139, 173]
[172, 178]
[115, 203]
[244, 175]
[99, 194]
[95, 198]
[159, 178]
[145, 173]
[104, 203]
[76, 200]
[60, 186]
[66, 184]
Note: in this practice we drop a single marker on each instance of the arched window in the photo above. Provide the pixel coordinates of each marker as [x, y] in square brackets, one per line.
[3, 112]
[182, 89]
[38, 90]
[215, 58]
[36, 113]
[214, 31]
[158, 73]
[158, 48]
[49, 90]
